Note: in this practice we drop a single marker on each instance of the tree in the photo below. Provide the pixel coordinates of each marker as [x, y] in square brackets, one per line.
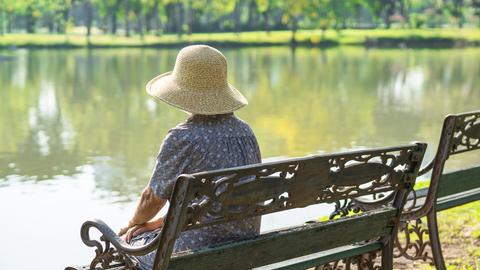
[265, 8]
[455, 8]
[476, 10]
[109, 10]
[2, 16]
[127, 15]
[375, 9]
[88, 10]
[293, 9]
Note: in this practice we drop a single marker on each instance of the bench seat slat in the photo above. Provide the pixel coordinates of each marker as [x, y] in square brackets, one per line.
[450, 201]
[456, 188]
[459, 181]
[289, 243]
[323, 257]
[458, 199]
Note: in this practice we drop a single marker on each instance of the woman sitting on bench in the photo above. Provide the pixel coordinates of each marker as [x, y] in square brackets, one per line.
[211, 138]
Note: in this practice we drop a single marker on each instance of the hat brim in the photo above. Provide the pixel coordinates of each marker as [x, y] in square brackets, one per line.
[208, 102]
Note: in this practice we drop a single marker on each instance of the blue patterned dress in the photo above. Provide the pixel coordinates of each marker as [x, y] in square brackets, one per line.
[202, 143]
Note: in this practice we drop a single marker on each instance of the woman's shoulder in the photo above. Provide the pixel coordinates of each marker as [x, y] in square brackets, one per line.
[198, 126]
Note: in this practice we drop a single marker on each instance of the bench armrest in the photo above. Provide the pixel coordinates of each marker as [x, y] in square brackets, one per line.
[109, 256]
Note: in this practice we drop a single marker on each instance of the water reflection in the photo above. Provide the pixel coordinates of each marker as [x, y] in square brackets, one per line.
[62, 111]
[78, 134]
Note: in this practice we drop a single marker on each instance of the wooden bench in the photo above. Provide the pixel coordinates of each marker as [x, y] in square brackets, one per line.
[354, 238]
[460, 133]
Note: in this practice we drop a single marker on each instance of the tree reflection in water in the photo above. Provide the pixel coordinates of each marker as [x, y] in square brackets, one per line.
[62, 111]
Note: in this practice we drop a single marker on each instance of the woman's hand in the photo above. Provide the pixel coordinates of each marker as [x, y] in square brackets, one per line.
[146, 227]
[126, 228]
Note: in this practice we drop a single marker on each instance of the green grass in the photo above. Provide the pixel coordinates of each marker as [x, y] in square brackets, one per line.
[460, 235]
[377, 37]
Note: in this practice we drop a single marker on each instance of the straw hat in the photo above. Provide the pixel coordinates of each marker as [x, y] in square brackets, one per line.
[198, 83]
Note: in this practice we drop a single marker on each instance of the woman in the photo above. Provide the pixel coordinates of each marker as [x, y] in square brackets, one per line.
[211, 138]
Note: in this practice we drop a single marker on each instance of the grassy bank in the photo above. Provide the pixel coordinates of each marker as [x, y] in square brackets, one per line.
[377, 38]
[459, 229]
[460, 235]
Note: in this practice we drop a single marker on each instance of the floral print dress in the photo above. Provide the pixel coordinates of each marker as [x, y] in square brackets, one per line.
[202, 143]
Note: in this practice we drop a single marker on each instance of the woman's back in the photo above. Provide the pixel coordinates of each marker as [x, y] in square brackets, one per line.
[202, 143]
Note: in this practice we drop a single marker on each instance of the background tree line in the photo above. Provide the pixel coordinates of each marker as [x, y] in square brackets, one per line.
[188, 16]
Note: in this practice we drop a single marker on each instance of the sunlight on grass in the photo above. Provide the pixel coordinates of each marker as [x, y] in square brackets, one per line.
[312, 37]
[460, 235]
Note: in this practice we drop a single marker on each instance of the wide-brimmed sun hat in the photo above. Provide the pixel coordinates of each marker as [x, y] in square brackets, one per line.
[198, 83]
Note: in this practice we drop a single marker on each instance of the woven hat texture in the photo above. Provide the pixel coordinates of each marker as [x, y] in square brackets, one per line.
[198, 83]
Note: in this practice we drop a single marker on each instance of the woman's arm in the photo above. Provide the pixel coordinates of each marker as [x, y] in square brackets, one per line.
[148, 206]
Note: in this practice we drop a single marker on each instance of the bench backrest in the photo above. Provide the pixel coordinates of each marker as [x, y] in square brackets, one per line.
[460, 134]
[388, 173]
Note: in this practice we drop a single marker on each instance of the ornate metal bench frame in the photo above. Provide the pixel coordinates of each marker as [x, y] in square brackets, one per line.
[460, 133]
[386, 174]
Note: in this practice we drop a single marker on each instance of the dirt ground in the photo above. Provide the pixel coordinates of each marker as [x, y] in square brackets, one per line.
[460, 235]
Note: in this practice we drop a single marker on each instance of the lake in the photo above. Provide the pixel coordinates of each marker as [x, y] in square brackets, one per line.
[79, 135]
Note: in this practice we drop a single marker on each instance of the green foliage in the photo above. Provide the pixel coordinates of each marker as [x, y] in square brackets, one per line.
[226, 15]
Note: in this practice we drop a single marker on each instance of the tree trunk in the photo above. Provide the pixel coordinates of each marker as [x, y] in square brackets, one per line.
[459, 13]
[156, 18]
[2, 16]
[170, 10]
[158, 26]
[390, 9]
[50, 25]
[180, 19]
[148, 20]
[266, 22]
[140, 23]
[404, 12]
[62, 27]
[113, 21]
[236, 16]
[191, 19]
[127, 19]
[88, 16]
[208, 19]
[252, 15]
[29, 20]
[9, 22]
[294, 30]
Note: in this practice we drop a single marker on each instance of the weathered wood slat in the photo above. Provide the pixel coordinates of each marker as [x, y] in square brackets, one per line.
[456, 188]
[459, 181]
[289, 243]
[458, 199]
[320, 258]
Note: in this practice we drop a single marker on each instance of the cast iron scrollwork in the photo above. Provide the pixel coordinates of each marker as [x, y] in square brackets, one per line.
[232, 194]
[111, 251]
[108, 257]
[344, 208]
[466, 136]
[460, 133]
[411, 241]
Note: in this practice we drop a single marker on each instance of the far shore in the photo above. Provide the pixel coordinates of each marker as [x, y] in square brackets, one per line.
[382, 38]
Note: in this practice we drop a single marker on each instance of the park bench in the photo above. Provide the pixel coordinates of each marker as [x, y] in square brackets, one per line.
[352, 237]
[460, 133]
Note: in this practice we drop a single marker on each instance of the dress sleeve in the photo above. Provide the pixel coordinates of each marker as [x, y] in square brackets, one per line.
[172, 160]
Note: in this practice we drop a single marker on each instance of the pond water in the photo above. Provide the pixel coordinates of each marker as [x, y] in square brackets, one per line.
[79, 136]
